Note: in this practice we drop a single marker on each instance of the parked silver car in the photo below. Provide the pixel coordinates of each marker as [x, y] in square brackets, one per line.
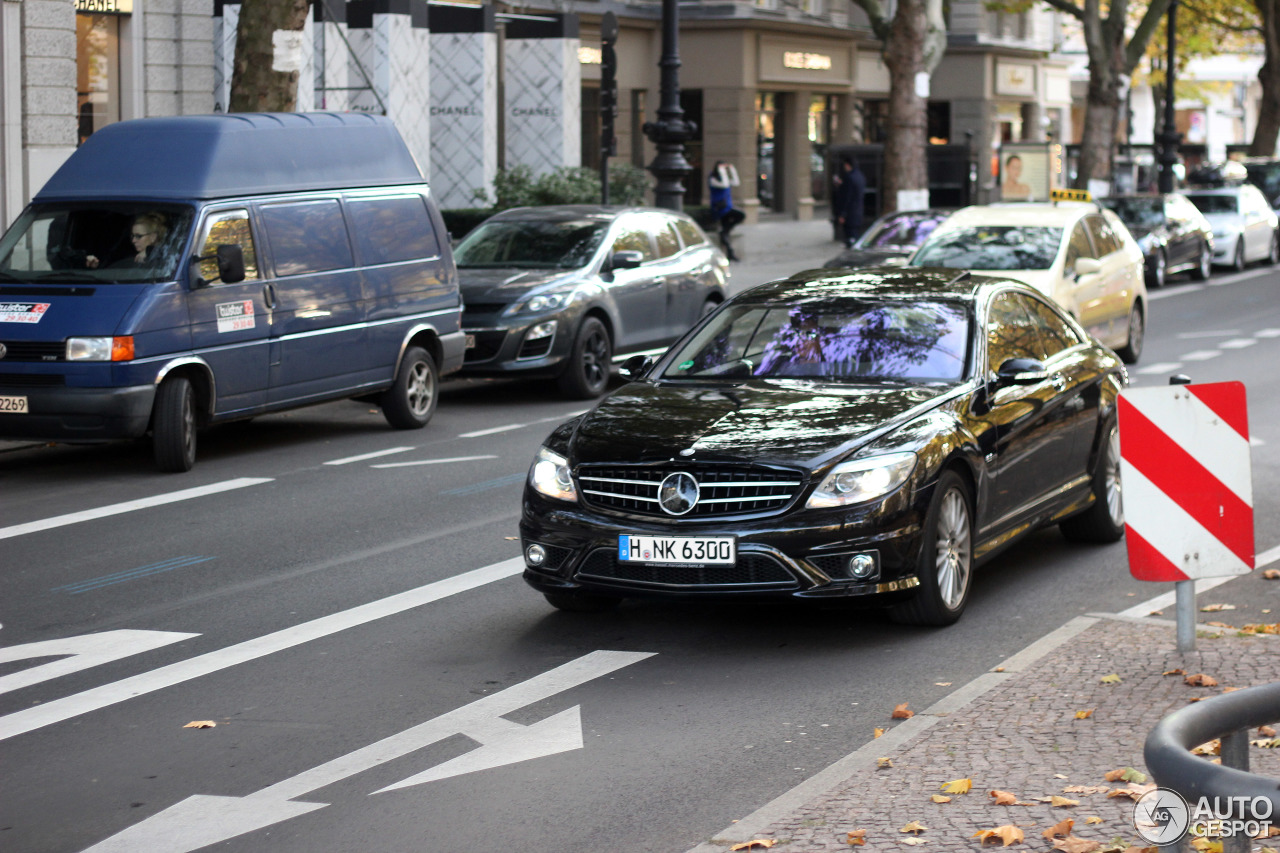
[1244, 225]
[559, 291]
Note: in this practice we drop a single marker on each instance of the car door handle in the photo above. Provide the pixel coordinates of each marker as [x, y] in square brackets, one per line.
[1059, 381]
[269, 296]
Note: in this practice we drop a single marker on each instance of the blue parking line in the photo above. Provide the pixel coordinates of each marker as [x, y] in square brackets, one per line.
[486, 485]
[130, 574]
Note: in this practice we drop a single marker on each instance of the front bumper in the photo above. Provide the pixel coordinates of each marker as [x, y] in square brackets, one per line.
[1224, 248]
[506, 349]
[794, 555]
[79, 414]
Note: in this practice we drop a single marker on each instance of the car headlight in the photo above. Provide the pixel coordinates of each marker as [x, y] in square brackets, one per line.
[541, 302]
[119, 348]
[860, 480]
[550, 476]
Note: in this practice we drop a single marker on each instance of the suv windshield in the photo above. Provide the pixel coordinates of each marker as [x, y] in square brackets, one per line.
[1214, 202]
[856, 341]
[532, 243]
[908, 229]
[105, 243]
[991, 247]
[1137, 212]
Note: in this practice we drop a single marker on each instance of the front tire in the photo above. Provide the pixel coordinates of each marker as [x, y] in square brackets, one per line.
[411, 401]
[1204, 265]
[1132, 350]
[1159, 270]
[587, 374]
[173, 426]
[945, 565]
[1104, 520]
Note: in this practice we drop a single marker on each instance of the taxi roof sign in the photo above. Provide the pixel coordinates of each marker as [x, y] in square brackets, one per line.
[1070, 195]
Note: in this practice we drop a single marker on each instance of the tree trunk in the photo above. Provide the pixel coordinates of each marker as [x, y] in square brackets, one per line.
[265, 76]
[1102, 112]
[904, 152]
[1264, 135]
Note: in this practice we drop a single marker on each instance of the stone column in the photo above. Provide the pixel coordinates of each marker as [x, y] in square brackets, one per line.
[543, 82]
[464, 105]
[226, 17]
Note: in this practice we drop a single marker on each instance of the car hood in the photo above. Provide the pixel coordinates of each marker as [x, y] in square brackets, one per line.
[508, 284]
[782, 421]
[859, 258]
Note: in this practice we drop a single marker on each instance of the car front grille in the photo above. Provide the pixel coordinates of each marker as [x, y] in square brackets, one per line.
[752, 570]
[34, 350]
[725, 489]
[488, 345]
[476, 309]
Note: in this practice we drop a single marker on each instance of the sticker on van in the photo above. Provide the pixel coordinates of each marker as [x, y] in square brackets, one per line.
[22, 312]
[235, 316]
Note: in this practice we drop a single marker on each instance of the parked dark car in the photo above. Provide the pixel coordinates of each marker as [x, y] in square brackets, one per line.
[891, 239]
[868, 435]
[558, 291]
[1171, 231]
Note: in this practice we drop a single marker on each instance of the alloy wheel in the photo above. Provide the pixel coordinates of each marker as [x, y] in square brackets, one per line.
[953, 549]
[421, 389]
[1111, 482]
[595, 359]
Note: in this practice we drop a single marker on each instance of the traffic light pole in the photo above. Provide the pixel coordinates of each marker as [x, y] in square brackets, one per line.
[608, 98]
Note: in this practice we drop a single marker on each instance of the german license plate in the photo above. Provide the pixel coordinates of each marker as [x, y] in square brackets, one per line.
[678, 550]
[471, 341]
[13, 405]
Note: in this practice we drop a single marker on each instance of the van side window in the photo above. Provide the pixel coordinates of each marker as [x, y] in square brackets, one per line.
[224, 229]
[392, 229]
[306, 237]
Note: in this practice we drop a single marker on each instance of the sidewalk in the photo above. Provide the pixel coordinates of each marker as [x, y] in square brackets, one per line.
[1016, 729]
[778, 246]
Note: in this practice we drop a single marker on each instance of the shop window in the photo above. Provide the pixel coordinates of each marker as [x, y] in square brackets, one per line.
[822, 111]
[766, 141]
[97, 72]
[939, 121]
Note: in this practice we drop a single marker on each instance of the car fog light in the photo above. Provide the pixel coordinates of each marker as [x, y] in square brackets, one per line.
[862, 566]
[542, 330]
[535, 555]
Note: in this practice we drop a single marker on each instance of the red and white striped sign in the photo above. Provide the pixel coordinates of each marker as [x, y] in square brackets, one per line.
[1188, 496]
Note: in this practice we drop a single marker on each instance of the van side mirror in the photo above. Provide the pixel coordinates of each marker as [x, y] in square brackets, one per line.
[230, 263]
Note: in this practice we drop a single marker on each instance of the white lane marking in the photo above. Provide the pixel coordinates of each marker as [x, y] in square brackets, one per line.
[432, 461]
[130, 506]
[1201, 355]
[202, 820]
[491, 430]
[1255, 441]
[85, 651]
[1218, 281]
[1166, 293]
[1160, 367]
[1267, 333]
[1224, 333]
[1160, 602]
[1238, 343]
[58, 710]
[363, 456]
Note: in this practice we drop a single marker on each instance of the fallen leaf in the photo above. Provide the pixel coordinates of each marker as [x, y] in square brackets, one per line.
[901, 712]
[1272, 574]
[998, 669]
[1133, 791]
[958, 786]
[1267, 731]
[1086, 789]
[1084, 715]
[1062, 802]
[938, 798]
[1273, 743]
[1092, 819]
[1213, 747]
[1003, 798]
[1174, 672]
[915, 826]
[1200, 680]
[1195, 699]
[764, 843]
[1204, 845]
[879, 731]
[1008, 833]
[511, 538]
[1231, 689]
[1060, 776]
[913, 841]
[1125, 774]
[884, 762]
[1221, 625]
[1113, 678]
[1217, 608]
[200, 724]
[856, 838]
[1060, 828]
[942, 683]
[1075, 844]
[1273, 628]
[1156, 613]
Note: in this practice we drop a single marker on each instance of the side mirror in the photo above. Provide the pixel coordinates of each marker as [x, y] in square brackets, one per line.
[230, 263]
[1021, 371]
[627, 260]
[1087, 266]
[635, 367]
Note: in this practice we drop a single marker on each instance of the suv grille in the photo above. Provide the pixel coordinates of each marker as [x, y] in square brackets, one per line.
[470, 309]
[35, 350]
[752, 570]
[725, 489]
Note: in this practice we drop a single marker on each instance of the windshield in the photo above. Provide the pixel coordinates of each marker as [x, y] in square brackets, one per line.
[856, 341]
[532, 244]
[991, 247]
[908, 229]
[1215, 203]
[1137, 212]
[105, 243]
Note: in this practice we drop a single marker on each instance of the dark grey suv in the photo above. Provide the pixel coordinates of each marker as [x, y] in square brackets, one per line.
[559, 291]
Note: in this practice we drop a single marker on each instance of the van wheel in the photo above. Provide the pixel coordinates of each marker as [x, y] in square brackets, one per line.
[587, 373]
[173, 426]
[411, 401]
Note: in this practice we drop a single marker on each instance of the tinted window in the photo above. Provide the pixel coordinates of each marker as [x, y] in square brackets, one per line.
[633, 238]
[666, 237]
[1011, 333]
[1215, 203]
[1103, 237]
[1079, 247]
[392, 229]
[691, 234]
[222, 229]
[1056, 333]
[531, 243]
[307, 237]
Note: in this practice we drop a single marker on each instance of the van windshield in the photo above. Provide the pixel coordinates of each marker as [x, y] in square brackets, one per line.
[106, 243]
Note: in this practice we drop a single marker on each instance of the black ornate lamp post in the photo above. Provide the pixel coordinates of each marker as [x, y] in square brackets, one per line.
[1169, 137]
[671, 131]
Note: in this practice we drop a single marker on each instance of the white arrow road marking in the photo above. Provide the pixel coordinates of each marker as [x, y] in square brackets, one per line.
[202, 820]
[85, 651]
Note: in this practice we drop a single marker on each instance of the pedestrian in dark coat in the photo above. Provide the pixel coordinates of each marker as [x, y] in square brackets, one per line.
[850, 193]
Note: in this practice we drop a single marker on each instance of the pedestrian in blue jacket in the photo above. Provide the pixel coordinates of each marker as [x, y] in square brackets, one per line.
[721, 180]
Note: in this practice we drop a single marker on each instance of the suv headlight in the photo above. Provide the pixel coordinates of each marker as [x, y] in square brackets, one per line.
[860, 480]
[550, 476]
[540, 302]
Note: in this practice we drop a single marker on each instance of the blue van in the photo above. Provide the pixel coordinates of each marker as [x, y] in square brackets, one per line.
[178, 272]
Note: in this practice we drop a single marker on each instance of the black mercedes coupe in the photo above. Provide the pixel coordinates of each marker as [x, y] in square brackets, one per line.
[856, 435]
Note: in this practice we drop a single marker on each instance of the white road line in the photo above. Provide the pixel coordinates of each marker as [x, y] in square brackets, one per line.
[1160, 367]
[491, 430]
[1267, 333]
[432, 461]
[1224, 333]
[1160, 602]
[1166, 293]
[1255, 441]
[1201, 355]
[1238, 343]
[129, 506]
[363, 456]
[58, 710]
[1240, 276]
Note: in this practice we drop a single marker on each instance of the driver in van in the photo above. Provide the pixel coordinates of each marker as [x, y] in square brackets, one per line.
[148, 231]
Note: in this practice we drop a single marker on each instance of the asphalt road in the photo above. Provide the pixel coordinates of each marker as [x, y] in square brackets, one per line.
[322, 606]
